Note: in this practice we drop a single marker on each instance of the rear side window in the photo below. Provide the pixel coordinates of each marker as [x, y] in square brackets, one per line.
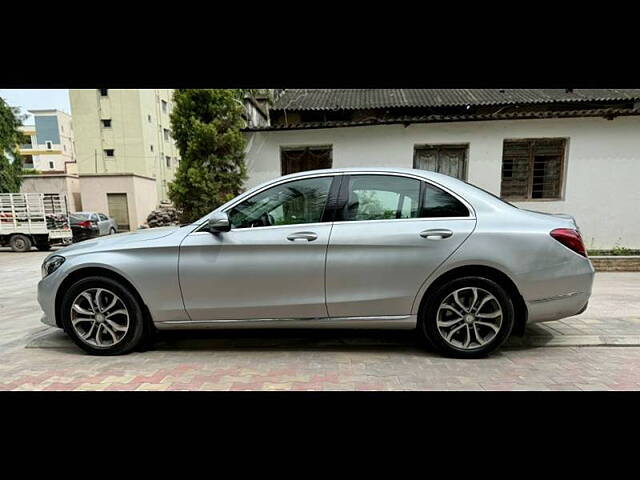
[381, 197]
[387, 197]
[438, 203]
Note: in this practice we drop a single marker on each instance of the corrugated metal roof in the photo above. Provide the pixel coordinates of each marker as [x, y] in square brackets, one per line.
[357, 99]
[406, 120]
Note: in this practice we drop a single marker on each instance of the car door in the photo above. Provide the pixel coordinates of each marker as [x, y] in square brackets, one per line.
[270, 265]
[104, 224]
[391, 232]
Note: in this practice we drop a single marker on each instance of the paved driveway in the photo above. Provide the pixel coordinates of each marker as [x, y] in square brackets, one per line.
[36, 357]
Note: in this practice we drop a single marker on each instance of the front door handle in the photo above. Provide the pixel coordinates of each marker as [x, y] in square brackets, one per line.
[436, 233]
[308, 236]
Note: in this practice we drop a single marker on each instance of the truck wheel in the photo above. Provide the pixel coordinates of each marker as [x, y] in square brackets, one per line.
[20, 243]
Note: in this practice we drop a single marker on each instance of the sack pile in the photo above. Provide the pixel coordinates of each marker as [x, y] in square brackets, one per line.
[164, 216]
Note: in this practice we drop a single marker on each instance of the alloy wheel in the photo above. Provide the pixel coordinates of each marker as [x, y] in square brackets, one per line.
[469, 318]
[99, 317]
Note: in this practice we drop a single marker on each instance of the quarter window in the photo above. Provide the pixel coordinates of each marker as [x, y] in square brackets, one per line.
[297, 202]
[438, 203]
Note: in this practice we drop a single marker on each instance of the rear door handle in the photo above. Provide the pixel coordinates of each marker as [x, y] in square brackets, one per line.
[436, 233]
[308, 236]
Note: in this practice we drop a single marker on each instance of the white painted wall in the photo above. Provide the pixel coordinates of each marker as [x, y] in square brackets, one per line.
[602, 176]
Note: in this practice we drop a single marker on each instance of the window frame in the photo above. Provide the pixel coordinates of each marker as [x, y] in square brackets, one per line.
[462, 146]
[343, 197]
[530, 167]
[327, 215]
[334, 200]
[288, 148]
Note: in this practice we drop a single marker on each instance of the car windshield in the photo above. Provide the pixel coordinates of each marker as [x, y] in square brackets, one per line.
[79, 216]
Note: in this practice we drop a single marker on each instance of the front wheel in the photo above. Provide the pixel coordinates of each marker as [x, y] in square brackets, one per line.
[468, 317]
[102, 316]
[112, 231]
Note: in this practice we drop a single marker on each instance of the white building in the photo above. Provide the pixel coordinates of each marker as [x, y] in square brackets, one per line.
[48, 145]
[557, 151]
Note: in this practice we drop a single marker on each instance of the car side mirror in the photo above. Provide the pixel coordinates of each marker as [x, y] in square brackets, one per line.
[218, 222]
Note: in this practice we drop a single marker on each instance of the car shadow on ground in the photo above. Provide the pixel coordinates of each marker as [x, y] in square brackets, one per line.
[269, 339]
[266, 340]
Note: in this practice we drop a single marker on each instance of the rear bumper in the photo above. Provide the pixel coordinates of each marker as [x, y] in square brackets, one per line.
[547, 310]
[568, 295]
[80, 234]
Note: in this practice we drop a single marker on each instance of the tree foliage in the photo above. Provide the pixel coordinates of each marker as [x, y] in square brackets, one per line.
[10, 136]
[206, 126]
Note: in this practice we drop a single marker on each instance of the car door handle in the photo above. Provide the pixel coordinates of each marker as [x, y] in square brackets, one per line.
[436, 233]
[308, 236]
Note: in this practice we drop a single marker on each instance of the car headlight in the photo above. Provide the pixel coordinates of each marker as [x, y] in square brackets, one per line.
[51, 264]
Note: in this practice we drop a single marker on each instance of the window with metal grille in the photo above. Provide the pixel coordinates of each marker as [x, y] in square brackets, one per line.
[532, 168]
[301, 159]
[447, 159]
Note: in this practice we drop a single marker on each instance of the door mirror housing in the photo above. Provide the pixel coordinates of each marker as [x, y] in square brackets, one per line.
[218, 222]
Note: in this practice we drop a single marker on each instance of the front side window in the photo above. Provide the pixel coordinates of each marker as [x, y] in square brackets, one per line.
[381, 197]
[297, 202]
[102, 217]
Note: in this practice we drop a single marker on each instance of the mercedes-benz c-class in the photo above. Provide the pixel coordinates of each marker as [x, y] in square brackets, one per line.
[341, 248]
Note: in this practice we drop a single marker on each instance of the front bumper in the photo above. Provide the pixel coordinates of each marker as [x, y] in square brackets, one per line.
[47, 288]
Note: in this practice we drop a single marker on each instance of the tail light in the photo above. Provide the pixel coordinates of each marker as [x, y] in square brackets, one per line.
[571, 239]
[85, 224]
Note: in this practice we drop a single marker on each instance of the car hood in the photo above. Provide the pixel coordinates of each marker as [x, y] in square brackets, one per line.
[113, 242]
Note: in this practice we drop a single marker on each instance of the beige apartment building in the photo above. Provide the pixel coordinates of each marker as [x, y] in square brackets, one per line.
[125, 131]
[47, 145]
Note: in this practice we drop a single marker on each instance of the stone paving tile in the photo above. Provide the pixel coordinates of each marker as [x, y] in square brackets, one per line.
[274, 369]
[321, 361]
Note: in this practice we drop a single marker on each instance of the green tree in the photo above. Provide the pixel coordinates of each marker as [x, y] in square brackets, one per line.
[206, 126]
[10, 161]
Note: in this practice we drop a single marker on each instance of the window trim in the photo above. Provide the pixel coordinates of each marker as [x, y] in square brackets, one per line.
[343, 198]
[561, 180]
[338, 180]
[328, 214]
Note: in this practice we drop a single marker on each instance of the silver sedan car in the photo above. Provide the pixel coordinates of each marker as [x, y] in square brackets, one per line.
[341, 248]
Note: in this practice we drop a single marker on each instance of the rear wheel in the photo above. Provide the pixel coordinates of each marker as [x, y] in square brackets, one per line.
[468, 317]
[102, 316]
[20, 243]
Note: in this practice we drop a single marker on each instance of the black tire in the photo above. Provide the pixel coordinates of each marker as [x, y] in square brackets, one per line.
[427, 323]
[132, 337]
[20, 243]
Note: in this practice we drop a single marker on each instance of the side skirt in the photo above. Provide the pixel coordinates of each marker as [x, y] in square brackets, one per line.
[402, 322]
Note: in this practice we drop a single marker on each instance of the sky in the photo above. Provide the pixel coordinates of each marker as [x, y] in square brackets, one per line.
[36, 99]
